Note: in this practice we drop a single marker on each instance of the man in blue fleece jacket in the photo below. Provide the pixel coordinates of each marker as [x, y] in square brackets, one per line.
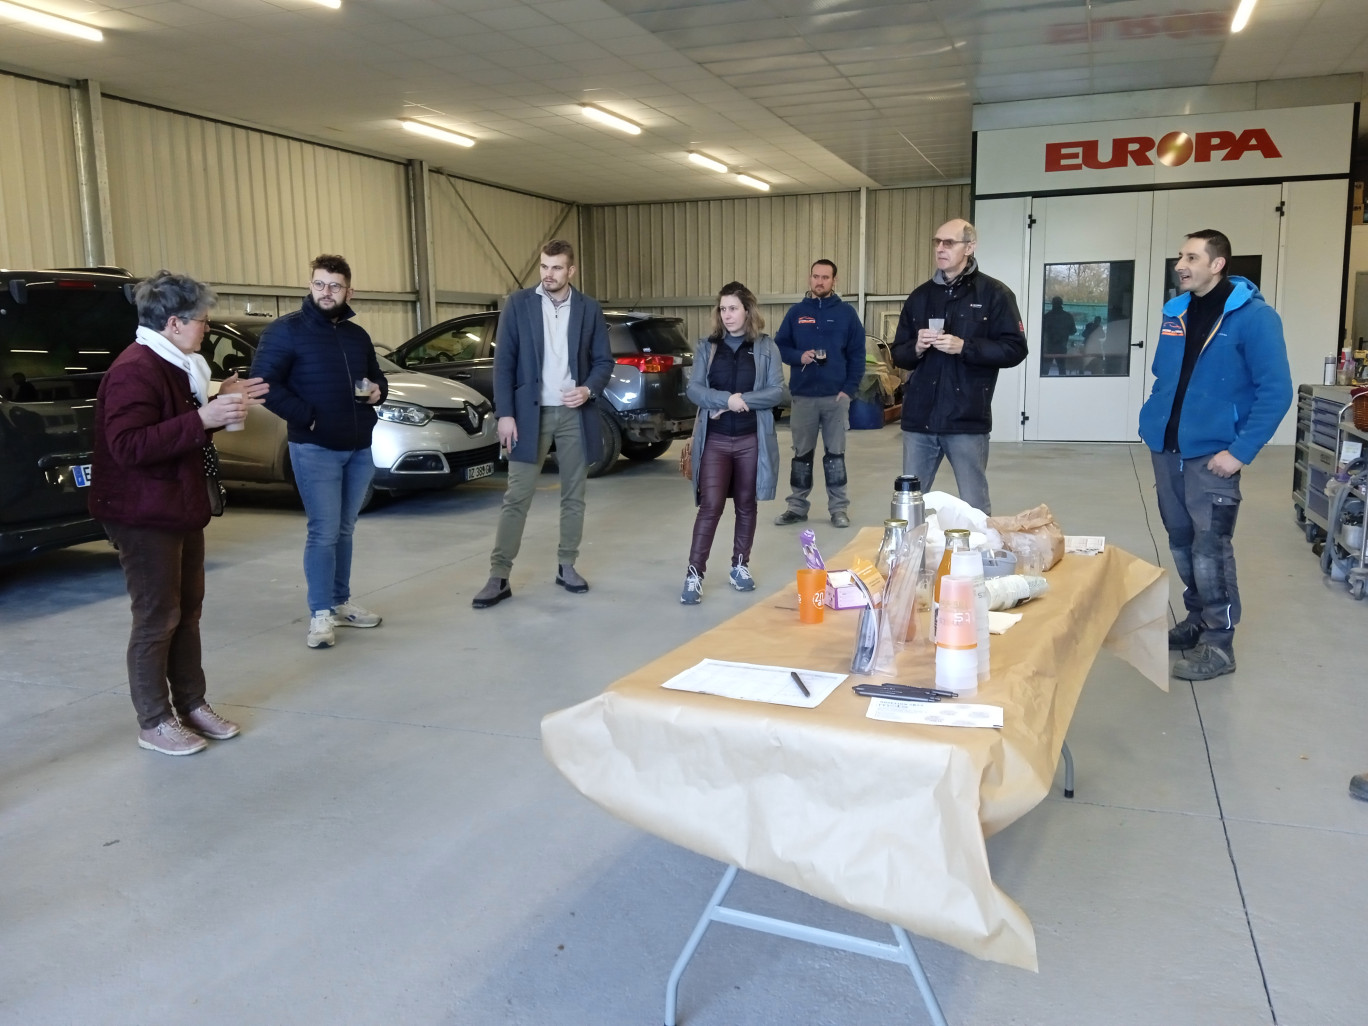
[823, 340]
[1221, 387]
[325, 384]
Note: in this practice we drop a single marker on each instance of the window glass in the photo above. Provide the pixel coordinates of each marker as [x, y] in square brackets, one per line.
[1085, 327]
[55, 345]
[226, 354]
[1250, 267]
[466, 341]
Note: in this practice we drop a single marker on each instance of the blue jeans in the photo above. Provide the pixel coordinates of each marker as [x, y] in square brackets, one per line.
[333, 484]
[968, 455]
[1199, 511]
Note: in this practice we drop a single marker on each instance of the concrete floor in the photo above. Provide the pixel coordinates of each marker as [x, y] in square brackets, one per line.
[385, 843]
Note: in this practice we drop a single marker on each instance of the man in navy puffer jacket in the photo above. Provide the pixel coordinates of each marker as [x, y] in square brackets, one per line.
[325, 384]
[1221, 387]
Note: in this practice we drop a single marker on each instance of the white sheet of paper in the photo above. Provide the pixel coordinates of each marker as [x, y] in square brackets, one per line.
[1085, 544]
[1000, 622]
[935, 714]
[750, 682]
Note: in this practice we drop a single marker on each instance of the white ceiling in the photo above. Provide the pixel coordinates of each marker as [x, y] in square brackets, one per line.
[809, 95]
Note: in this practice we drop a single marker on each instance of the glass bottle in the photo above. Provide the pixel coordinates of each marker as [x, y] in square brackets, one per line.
[956, 539]
[894, 529]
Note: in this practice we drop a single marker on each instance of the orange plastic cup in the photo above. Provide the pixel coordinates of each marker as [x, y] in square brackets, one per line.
[811, 595]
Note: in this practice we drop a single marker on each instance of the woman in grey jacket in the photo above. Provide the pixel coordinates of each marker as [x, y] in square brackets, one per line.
[736, 383]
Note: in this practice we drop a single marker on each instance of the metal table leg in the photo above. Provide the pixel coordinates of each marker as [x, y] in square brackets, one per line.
[1068, 770]
[716, 912]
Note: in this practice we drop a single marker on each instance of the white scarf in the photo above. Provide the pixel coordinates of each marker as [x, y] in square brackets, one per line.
[195, 366]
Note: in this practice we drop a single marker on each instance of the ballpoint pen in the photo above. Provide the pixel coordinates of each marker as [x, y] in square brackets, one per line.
[882, 691]
[801, 686]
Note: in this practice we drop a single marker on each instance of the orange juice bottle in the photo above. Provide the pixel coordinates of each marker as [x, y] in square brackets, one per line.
[957, 538]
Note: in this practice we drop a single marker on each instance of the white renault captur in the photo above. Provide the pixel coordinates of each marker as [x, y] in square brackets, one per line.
[432, 432]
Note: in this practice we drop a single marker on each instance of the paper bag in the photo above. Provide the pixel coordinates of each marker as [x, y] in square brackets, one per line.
[1034, 536]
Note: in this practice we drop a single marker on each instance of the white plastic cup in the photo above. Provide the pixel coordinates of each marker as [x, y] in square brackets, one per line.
[936, 324]
[238, 425]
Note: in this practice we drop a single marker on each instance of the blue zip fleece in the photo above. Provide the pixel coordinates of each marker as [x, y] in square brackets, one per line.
[310, 362]
[829, 323]
[1240, 388]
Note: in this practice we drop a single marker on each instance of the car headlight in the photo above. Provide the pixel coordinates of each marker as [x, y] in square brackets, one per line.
[403, 413]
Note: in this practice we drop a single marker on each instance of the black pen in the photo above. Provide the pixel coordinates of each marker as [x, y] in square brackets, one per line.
[924, 691]
[881, 691]
[801, 686]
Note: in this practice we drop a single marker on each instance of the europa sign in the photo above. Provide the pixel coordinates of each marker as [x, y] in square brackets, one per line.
[1171, 150]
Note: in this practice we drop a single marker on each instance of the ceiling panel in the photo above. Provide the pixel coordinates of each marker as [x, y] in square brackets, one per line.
[806, 94]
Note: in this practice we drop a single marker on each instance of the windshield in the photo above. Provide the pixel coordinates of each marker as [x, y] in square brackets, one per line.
[56, 344]
[654, 335]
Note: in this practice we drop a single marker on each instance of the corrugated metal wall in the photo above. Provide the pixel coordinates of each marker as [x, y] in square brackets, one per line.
[478, 229]
[644, 256]
[635, 253]
[901, 225]
[40, 212]
[230, 204]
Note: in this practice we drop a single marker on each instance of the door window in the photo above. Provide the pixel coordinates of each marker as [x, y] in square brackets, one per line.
[1086, 324]
[466, 341]
[226, 354]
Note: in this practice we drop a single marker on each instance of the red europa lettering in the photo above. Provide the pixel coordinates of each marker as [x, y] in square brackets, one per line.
[1173, 149]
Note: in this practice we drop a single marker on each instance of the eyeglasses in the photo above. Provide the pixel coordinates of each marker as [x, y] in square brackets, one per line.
[329, 286]
[947, 243]
[194, 320]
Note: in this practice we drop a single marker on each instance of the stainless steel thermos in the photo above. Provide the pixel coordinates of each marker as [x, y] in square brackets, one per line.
[907, 502]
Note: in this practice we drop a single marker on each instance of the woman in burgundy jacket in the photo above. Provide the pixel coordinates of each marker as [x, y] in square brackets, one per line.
[150, 488]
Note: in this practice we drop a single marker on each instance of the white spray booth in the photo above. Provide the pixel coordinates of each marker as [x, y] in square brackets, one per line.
[1092, 214]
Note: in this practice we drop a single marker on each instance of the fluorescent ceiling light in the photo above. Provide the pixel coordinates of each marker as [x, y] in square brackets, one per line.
[754, 183]
[1242, 14]
[611, 120]
[433, 132]
[43, 20]
[708, 162]
[334, 4]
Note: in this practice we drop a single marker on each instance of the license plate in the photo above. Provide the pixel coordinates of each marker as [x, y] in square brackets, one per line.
[479, 471]
[81, 475]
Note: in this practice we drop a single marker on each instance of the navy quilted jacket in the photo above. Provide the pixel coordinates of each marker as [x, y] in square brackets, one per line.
[310, 361]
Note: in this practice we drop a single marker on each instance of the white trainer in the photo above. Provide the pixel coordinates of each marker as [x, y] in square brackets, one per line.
[348, 614]
[321, 629]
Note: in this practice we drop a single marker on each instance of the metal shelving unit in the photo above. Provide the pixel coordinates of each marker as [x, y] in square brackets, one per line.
[1324, 424]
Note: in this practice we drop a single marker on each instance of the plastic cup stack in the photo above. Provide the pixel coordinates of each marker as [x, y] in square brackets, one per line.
[970, 565]
[957, 637]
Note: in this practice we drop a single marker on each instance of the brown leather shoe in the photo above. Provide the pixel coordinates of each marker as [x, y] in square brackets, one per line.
[209, 723]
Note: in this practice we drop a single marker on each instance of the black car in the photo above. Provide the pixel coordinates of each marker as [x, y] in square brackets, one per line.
[59, 332]
[644, 408]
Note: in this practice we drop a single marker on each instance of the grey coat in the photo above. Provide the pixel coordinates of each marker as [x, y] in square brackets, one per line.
[518, 368]
[769, 391]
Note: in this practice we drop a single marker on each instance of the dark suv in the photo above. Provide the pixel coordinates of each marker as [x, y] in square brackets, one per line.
[643, 409]
[59, 332]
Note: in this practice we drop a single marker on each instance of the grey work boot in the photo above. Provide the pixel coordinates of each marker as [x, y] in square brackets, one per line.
[789, 517]
[1205, 662]
[496, 589]
[1184, 636]
[1358, 787]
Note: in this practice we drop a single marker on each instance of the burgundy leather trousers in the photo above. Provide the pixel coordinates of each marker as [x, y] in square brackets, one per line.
[729, 467]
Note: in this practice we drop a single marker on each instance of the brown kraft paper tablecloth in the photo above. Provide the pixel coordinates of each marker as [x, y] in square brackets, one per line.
[882, 818]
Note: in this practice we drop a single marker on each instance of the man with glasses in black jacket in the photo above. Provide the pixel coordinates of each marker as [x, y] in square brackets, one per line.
[325, 384]
[955, 333]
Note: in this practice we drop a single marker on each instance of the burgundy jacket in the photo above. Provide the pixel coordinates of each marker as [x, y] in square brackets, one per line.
[149, 441]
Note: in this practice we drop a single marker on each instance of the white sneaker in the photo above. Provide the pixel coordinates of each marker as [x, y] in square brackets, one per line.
[348, 614]
[321, 629]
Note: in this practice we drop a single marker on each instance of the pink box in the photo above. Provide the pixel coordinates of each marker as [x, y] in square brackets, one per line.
[843, 593]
